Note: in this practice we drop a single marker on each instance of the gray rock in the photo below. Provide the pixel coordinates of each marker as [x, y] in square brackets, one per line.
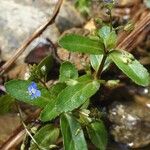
[130, 123]
[18, 20]
[68, 17]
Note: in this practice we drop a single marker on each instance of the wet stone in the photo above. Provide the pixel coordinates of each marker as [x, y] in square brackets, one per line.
[130, 123]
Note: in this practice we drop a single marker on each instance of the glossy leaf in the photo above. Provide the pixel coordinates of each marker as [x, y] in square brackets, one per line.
[73, 137]
[131, 67]
[56, 89]
[85, 78]
[109, 37]
[6, 102]
[45, 65]
[69, 99]
[19, 89]
[104, 32]
[45, 137]
[96, 60]
[77, 43]
[98, 134]
[68, 71]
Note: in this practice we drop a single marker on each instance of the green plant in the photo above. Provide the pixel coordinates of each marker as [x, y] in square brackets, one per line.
[68, 100]
[83, 6]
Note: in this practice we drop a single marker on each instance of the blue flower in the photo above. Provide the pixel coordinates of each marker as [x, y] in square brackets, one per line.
[33, 90]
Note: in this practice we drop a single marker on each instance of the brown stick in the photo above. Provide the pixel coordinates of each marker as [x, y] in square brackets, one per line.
[139, 28]
[17, 135]
[27, 42]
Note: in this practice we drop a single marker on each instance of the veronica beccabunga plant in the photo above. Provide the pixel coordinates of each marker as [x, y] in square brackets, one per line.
[69, 98]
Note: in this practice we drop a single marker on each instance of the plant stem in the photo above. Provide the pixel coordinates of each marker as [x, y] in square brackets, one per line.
[110, 14]
[44, 84]
[99, 72]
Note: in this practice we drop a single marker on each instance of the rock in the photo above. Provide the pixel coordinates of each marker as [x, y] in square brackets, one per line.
[8, 123]
[130, 123]
[18, 20]
[69, 17]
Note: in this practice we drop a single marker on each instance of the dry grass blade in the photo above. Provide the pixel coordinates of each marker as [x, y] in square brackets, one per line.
[140, 26]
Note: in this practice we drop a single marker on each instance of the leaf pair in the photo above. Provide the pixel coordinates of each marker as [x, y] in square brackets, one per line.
[46, 137]
[124, 60]
[69, 99]
[73, 135]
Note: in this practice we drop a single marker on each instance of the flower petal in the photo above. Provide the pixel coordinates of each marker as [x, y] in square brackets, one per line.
[38, 93]
[34, 85]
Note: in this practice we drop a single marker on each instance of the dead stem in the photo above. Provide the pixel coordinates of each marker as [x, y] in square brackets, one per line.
[132, 37]
[19, 132]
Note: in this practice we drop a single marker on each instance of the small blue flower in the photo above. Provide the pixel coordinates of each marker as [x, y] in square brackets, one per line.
[33, 90]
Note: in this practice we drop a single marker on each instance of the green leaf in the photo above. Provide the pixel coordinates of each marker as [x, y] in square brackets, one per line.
[77, 43]
[72, 132]
[42, 69]
[84, 78]
[131, 67]
[6, 102]
[67, 71]
[69, 99]
[83, 6]
[104, 32]
[19, 90]
[109, 37]
[98, 134]
[45, 137]
[56, 89]
[45, 65]
[96, 60]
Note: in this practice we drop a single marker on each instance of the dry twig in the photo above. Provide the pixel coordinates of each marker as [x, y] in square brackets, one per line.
[129, 42]
[18, 134]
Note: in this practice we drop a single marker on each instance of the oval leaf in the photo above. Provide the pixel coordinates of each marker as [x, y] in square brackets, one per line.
[45, 137]
[70, 98]
[131, 67]
[68, 71]
[72, 132]
[19, 90]
[109, 37]
[98, 134]
[77, 43]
